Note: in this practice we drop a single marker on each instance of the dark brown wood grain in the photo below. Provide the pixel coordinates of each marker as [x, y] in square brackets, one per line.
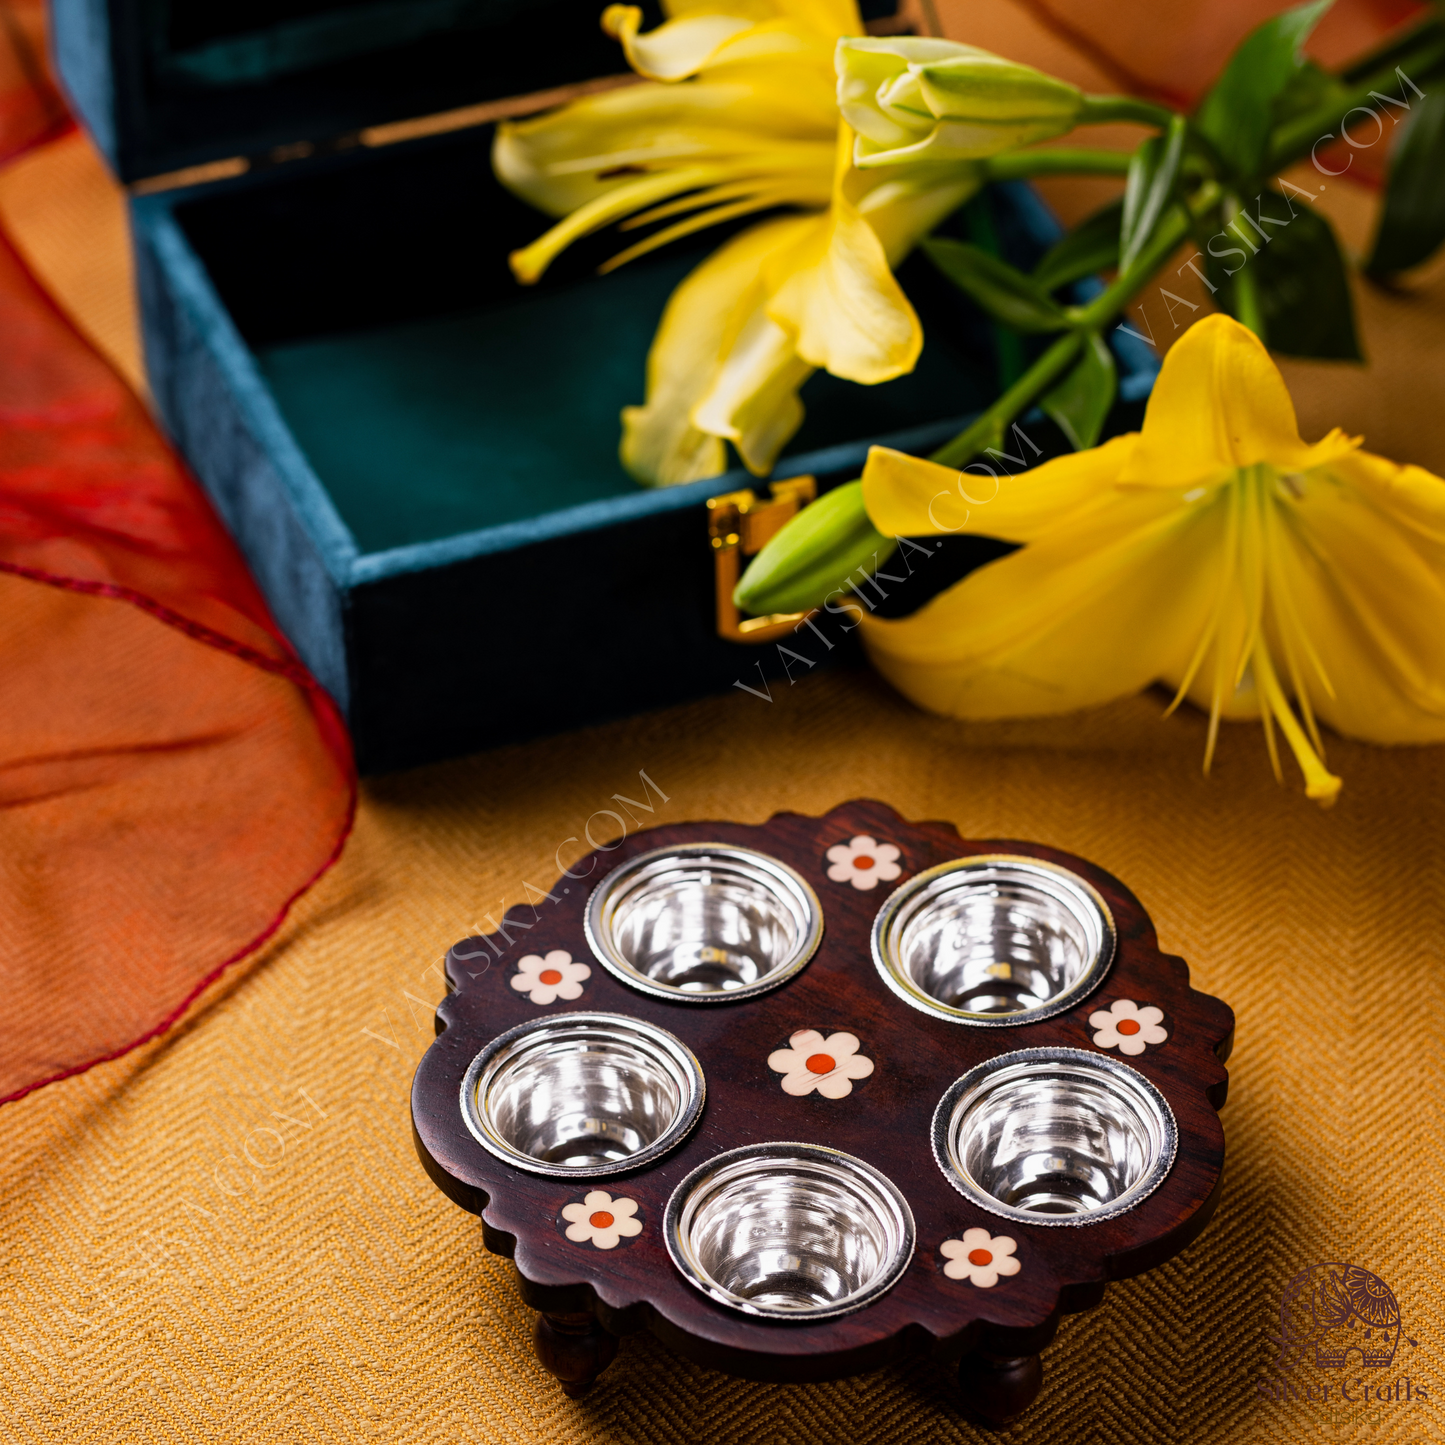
[997, 1389]
[575, 1349]
[885, 1120]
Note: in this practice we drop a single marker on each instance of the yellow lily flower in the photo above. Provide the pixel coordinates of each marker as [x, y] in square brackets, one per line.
[1214, 551]
[740, 115]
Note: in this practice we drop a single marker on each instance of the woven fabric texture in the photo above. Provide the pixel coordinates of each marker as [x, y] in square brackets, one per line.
[227, 1236]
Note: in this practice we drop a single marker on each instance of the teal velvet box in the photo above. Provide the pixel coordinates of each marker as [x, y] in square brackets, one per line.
[417, 456]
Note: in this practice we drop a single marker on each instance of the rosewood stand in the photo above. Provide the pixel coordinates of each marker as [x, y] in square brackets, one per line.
[596, 1269]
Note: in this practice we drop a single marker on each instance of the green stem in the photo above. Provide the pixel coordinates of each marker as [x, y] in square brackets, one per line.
[1247, 306]
[1101, 109]
[1293, 141]
[1008, 344]
[1395, 50]
[1056, 161]
[1173, 229]
[988, 427]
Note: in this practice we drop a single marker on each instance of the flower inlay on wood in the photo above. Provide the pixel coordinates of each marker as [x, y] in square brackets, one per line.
[864, 862]
[980, 1257]
[1127, 1027]
[545, 980]
[601, 1220]
[829, 1065]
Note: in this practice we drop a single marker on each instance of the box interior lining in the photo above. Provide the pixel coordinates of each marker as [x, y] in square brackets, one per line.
[198, 80]
[434, 395]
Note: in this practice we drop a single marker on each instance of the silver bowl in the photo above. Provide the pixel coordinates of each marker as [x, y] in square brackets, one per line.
[582, 1094]
[993, 940]
[789, 1231]
[1054, 1136]
[703, 922]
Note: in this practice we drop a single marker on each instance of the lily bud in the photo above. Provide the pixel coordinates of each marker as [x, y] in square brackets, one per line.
[914, 99]
[814, 555]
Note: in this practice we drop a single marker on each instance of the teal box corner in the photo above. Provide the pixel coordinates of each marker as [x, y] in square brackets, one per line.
[417, 456]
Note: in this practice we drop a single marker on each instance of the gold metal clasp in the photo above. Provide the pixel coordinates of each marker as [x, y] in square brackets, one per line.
[740, 525]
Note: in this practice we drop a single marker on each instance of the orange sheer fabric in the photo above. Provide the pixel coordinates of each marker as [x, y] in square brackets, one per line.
[31, 109]
[1166, 50]
[1172, 50]
[171, 778]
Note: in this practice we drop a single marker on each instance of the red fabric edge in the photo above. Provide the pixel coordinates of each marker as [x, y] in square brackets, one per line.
[330, 724]
[334, 734]
[1092, 50]
[57, 129]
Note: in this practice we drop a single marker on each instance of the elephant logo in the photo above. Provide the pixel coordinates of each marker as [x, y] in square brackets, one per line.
[1335, 1315]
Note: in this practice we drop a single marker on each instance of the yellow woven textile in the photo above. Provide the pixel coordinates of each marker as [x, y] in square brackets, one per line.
[173, 1270]
[227, 1237]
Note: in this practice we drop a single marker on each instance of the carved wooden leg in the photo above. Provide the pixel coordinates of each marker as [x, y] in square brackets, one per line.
[575, 1348]
[997, 1388]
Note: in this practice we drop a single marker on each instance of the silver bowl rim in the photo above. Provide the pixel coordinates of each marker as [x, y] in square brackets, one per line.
[1092, 976]
[782, 1149]
[682, 1125]
[787, 876]
[948, 1106]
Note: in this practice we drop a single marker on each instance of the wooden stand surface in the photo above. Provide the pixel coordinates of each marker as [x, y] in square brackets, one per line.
[589, 1295]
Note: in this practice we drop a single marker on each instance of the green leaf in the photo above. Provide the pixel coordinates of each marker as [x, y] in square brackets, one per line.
[1412, 223]
[1237, 113]
[813, 555]
[1081, 401]
[1153, 172]
[1309, 91]
[1002, 291]
[1092, 246]
[1295, 288]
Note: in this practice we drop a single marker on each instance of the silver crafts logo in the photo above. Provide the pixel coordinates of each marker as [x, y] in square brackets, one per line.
[1345, 1320]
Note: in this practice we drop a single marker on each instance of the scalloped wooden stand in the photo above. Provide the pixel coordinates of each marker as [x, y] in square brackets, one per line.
[588, 1295]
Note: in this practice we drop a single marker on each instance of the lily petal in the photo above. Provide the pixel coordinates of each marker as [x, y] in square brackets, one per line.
[1083, 615]
[837, 298]
[1374, 596]
[675, 50]
[708, 378]
[568, 157]
[1219, 404]
[753, 399]
[908, 497]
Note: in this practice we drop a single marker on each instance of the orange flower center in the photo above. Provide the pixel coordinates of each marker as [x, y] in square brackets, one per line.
[1127, 1026]
[864, 862]
[980, 1256]
[601, 1220]
[821, 1064]
[550, 975]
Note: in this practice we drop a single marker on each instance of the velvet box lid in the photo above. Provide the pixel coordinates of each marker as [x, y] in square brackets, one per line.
[418, 456]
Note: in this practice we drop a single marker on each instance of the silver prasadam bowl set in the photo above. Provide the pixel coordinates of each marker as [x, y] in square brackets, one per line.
[808, 1097]
[798, 1231]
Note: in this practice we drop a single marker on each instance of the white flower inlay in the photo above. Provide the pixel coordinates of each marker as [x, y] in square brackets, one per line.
[544, 980]
[1127, 1027]
[864, 862]
[828, 1065]
[980, 1257]
[601, 1220]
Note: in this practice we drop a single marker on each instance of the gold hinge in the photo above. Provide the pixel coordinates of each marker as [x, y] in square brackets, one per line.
[741, 524]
